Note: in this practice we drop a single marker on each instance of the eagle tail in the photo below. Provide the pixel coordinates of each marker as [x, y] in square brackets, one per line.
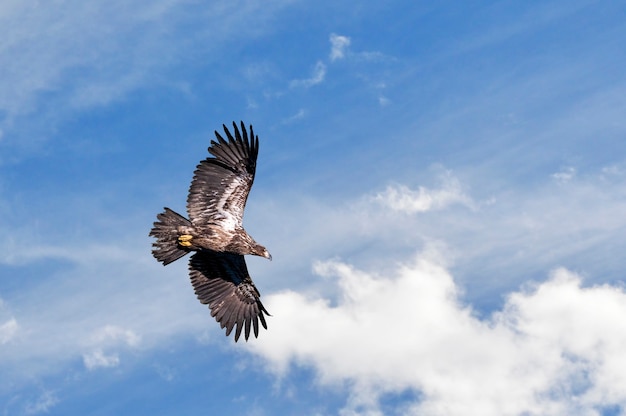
[166, 249]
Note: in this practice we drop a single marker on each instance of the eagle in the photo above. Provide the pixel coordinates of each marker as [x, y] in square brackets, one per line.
[214, 233]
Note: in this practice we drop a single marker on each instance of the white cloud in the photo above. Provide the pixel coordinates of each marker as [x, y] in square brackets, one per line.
[97, 359]
[11, 253]
[556, 348]
[564, 175]
[401, 198]
[319, 73]
[613, 170]
[43, 404]
[339, 50]
[115, 334]
[299, 115]
[110, 337]
[157, 305]
[339, 45]
[8, 330]
[374, 56]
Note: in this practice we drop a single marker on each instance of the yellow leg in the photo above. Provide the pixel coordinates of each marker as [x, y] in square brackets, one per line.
[185, 240]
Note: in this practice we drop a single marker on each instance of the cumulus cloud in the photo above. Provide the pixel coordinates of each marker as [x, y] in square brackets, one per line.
[401, 198]
[319, 73]
[554, 348]
[339, 44]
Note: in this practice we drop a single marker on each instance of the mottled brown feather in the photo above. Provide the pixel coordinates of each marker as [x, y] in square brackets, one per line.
[221, 184]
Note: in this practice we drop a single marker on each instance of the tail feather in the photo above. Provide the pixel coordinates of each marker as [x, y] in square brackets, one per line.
[165, 230]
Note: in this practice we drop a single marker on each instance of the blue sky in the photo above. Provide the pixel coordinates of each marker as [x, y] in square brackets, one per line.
[441, 186]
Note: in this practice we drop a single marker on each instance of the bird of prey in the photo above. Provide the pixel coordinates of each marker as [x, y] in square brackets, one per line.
[214, 232]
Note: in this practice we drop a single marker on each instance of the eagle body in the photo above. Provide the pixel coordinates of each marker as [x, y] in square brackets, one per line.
[214, 232]
[217, 239]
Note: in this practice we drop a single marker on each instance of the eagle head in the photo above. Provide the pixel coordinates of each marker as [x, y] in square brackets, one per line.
[262, 251]
[247, 245]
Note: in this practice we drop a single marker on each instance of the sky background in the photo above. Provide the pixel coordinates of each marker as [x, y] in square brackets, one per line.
[442, 186]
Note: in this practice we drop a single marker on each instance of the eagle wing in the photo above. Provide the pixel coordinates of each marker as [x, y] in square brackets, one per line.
[222, 282]
[221, 184]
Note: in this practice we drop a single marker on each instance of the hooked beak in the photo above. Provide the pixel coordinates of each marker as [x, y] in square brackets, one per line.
[267, 255]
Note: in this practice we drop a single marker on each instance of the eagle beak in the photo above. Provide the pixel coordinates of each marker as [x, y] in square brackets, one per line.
[268, 255]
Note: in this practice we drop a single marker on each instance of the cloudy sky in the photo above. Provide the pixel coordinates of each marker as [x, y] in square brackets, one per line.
[442, 187]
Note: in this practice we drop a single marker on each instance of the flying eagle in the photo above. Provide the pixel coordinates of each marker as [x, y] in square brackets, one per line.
[214, 232]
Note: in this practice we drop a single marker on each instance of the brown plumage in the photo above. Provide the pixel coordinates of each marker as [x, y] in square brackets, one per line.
[214, 231]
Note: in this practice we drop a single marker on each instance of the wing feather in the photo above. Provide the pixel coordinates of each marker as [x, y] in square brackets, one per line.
[255, 324]
[221, 183]
[221, 281]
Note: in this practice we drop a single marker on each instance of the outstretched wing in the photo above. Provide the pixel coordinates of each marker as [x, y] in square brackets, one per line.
[221, 184]
[221, 280]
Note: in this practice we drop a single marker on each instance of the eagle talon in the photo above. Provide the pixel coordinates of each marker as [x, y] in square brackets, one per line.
[185, 240]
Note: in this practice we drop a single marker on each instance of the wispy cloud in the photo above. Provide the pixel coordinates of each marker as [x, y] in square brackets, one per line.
[319, 73]
[42, 404]
[8, 330]
[492, 231]
[401, 198]
[338, 46]
[59, 59]
[67, 47]
[564, 175]
[98, 359]
[300, 114]
[111, 321]
[339, 50]
[112, 333]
